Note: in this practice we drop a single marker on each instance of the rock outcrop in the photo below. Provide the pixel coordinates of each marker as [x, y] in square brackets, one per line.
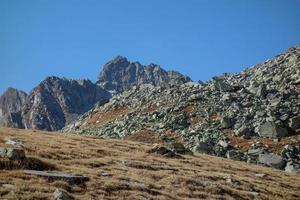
[11, 103]
[119, 75]
[56, 102]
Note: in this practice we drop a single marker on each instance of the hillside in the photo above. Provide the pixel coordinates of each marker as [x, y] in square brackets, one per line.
[123, 169]
[246, 116]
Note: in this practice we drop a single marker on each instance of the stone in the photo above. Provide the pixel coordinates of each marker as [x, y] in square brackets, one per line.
[262, 91]
[260, 175]
[255, 152]
[12, 153]
[3, 152]
[58, 176]
[294, 123]
[15, 154]
[14, 142]
[271, 130]
[179, 148]
[61, 195]
[162, 150]
[223, 143]
[292, 167]
[203, 147]
[8, 186]
[271, 160]
[227, 122]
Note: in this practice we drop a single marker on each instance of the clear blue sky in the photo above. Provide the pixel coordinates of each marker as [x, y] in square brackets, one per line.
[200, 38]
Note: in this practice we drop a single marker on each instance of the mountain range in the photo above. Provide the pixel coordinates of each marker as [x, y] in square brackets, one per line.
[56, 102]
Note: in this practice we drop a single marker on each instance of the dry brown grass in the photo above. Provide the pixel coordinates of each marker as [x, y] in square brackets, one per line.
[135, 174]
[245, 144]
[101, 117]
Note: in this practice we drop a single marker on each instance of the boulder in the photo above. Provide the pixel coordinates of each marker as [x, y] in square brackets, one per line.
[179, 148]
[227, 122]
[3, 152]
[61, 195]
[294, 123]
[15, 154]
[271, 160]
[162, 150]
[203, 147]
[271, 130]
[292, 167]
[12, 153]
[58, 176]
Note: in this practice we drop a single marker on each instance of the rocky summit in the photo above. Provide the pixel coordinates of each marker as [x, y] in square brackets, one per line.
[119, 75]
[251, 116]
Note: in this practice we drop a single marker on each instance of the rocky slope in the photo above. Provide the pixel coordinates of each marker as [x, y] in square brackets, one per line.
[119, 75]
[228, 116]
[11, 103]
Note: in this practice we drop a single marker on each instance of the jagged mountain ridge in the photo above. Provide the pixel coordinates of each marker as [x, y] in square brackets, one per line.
[119, 75]
[56, 102]
[260, 102]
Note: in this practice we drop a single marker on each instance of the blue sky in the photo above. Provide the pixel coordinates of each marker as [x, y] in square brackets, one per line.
[199, 38]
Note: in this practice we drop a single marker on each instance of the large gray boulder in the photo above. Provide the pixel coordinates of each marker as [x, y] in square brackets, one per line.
[271, 160]
[272, 130]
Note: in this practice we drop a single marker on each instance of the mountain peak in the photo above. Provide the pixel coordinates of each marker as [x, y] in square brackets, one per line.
[119, 74]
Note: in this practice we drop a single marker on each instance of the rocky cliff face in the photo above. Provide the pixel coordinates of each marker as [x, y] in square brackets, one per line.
[56, 102]
[119, 75]
[11, 103]
[229, 116]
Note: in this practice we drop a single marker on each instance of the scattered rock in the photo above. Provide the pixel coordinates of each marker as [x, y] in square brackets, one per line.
[58, 176]
[61, 195]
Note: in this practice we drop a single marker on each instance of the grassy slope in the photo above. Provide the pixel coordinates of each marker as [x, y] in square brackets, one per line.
[136, 174]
